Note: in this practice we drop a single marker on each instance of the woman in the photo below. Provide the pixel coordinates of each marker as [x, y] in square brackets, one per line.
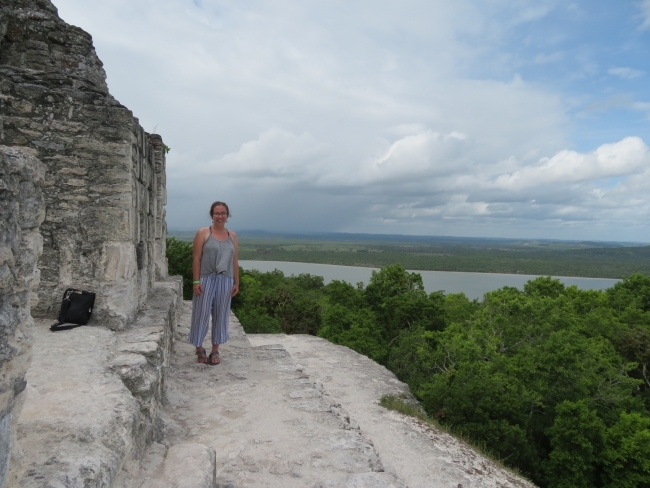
[216, 280]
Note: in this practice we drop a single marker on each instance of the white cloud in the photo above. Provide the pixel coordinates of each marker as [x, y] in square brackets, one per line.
[626, 73]
[609, 160]
[370, 116]
[423, 155]
[276, 153]
[645, 14]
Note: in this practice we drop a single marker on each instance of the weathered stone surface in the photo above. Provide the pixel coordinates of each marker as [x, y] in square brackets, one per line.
[186, 465]
[79, 421]
[190, 465]
[262, 436]
[143, 354]
[260, 418]
[105, 194]
[21, 211]
[94, 395]
[420, 455]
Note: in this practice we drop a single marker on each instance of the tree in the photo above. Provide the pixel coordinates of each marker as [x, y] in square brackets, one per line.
[390, 281]
[626, 460]
[576, 438]
[356, 329]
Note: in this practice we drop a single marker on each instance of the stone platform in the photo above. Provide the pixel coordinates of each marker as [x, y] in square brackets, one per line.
[114, 409]
[93, 397]
[298, 411]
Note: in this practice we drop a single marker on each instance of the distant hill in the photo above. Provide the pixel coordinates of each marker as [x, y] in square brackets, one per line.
[404, 238]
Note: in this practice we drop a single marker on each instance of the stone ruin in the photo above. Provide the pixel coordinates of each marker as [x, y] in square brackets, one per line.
[104, 188]
[76, 162]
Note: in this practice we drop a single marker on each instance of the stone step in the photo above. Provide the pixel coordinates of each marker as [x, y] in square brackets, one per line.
[419, 454]
[268, 422]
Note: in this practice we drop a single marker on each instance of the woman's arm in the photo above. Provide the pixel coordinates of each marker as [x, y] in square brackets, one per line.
[197, 253]
[235, 263]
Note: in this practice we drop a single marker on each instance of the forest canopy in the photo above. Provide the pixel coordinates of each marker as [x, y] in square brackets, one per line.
[551, 379]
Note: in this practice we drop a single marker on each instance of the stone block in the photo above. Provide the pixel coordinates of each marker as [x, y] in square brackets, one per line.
[190, 465]
[101, 224]
[120, 261]
[77, 428]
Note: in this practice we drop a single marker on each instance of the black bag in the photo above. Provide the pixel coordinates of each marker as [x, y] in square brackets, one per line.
[76, 307]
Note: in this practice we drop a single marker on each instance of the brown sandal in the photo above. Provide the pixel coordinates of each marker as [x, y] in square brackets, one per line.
[202, 358]
[213, 358]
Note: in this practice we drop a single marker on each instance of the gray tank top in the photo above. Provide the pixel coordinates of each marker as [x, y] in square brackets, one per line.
[218, 256]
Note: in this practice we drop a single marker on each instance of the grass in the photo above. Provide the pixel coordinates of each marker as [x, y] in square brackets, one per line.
[397, 403]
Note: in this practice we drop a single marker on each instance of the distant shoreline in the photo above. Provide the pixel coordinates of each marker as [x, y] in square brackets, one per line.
[473, 285]
[363, 237]
[580, 259]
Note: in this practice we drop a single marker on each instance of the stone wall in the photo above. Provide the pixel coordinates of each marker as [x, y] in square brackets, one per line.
[21, 212]
[104, 228]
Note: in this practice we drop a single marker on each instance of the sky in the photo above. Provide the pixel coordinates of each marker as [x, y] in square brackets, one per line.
[477, 118]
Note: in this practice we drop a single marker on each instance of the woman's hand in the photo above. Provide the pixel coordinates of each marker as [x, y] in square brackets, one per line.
[235, 289]
[198, 289]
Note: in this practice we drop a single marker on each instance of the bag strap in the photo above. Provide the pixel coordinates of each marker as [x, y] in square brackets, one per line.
[65, 305]
[57, 327]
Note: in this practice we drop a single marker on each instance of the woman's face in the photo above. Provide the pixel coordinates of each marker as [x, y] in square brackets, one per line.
[219, 214]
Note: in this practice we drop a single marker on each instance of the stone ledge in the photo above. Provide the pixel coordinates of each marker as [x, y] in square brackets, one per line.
[419, 454]
[186, 465]
[93, 396]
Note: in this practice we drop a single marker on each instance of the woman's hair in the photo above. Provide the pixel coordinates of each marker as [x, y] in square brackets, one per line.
[217, 204]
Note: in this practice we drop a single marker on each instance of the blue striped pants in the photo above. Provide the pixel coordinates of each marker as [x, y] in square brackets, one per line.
[215, 299]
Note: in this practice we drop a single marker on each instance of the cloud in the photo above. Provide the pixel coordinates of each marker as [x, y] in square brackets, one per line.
[418, 117]
[645, 14]
[422, 155]
[609, 160]
[618, 102]
[549, 58]
[430, 178]
[604, 185]
[626, 73]
[276, 153]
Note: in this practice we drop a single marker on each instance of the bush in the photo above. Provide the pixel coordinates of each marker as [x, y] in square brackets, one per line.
[179, 260]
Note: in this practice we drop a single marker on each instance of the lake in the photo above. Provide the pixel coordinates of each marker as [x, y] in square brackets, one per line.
[474, 285]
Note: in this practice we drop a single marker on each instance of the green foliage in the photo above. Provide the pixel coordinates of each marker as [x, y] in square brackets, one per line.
[626, 457]
[271, 303]
[552, 380]
[577, 438]
[179, 259]
[355, 329]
